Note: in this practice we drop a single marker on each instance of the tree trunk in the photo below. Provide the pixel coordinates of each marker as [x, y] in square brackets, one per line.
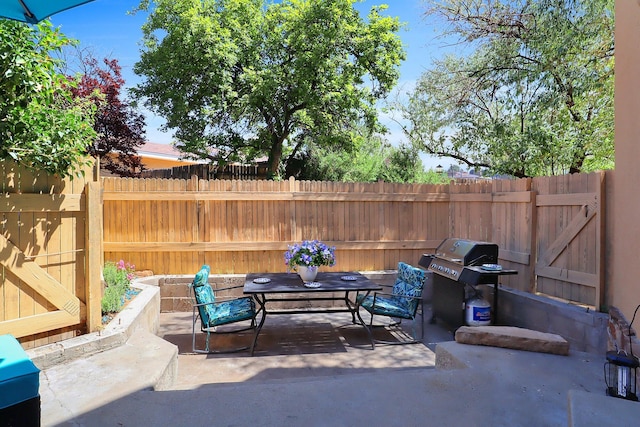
[275, 154]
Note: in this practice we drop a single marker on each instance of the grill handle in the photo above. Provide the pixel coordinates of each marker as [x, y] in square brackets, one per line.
[476, 261]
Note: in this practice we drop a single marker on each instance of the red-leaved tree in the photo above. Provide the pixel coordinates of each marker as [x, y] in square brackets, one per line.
[119, 126]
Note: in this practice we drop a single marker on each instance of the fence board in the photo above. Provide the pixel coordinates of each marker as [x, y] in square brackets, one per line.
[25, 241]
[512, 229]
[41, 183]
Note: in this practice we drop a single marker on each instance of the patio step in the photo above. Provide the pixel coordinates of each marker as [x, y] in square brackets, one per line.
[597, 409]
[144, 362]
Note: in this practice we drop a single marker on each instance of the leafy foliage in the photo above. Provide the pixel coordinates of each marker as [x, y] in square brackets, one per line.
[120, 128]
[241, 78]
[371, 160]
[535, 96]
[41, 126]
[118, 277]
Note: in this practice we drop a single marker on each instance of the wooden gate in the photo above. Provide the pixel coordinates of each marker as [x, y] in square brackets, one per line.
[570, 230]
[50, 252]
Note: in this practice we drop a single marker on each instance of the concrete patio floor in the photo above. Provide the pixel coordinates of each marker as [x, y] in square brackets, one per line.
[294, 346]
[318, 370]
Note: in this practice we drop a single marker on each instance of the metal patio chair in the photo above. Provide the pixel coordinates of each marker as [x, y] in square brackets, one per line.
[404, 302]
[215, 312]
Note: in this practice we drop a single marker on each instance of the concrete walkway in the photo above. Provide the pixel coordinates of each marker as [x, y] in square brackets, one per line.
[318, 371]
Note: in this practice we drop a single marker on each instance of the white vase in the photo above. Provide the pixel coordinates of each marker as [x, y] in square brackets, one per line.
[307, 274]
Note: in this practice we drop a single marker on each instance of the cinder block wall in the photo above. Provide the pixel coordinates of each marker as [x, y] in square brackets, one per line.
[586, 330]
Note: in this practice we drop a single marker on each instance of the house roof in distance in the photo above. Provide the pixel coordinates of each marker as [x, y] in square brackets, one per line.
[154, 150]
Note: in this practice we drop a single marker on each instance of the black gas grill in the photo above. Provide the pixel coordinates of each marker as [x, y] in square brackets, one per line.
[459, 265]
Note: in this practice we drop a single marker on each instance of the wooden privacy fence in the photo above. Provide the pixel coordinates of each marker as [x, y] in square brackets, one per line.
[550, 229]
[50, 255]
[175, 226]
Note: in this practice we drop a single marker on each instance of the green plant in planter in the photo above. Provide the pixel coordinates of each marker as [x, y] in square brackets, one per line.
[118, 277]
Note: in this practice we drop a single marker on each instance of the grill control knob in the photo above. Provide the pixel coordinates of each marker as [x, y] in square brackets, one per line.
[455, 273]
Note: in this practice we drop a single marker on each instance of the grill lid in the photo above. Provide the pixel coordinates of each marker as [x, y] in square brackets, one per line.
[467, 252]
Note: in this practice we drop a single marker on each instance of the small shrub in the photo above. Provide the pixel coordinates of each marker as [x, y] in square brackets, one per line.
[113, 299]
[118, 277]
[118, 274]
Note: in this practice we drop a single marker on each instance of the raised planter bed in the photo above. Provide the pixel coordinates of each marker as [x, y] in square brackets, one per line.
[141, 313]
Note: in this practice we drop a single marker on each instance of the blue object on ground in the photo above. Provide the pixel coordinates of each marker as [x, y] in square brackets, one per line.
[19, 377]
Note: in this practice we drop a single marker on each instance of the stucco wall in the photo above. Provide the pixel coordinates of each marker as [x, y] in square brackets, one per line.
[624, 285]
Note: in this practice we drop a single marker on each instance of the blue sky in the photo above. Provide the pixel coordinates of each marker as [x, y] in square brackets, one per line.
[108, 30]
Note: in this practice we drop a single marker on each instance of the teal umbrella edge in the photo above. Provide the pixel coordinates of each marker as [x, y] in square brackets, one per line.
[34, 11]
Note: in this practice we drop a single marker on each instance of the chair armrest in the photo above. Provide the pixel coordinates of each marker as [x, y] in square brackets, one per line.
[227, 288]
[230, 298]
[395, 295]
[373, 292]
[406, 297]
[376, 293]
[219, 300]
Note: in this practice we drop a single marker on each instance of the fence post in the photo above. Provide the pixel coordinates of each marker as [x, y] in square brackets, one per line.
[292, 210]
[533, 244]
[94, 254]
[192, 183]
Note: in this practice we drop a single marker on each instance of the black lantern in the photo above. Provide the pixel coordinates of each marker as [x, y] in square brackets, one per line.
[620, 375]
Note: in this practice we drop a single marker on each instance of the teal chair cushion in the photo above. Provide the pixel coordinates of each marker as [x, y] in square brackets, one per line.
[214, 313]
[387, 306]
[409, 283]
[230, 311]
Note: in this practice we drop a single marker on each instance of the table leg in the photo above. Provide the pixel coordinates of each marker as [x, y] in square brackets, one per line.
[356, 311]
[261, 300]
[350, 307]
[494, 319]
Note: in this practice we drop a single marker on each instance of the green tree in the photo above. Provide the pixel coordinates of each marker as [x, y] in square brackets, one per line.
[241, 78]
[371, 159]
[534, 96]
[41, 125]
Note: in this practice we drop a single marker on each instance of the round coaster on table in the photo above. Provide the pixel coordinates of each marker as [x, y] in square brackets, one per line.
[312, 284]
